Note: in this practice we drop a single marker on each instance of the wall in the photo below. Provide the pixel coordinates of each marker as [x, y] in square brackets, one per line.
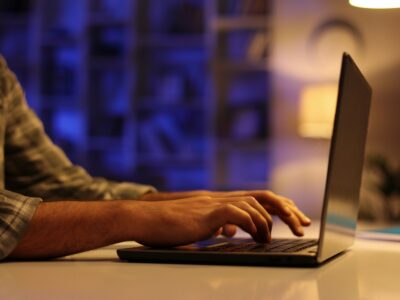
[302, 56]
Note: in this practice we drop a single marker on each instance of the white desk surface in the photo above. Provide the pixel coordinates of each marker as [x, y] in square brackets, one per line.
[370, 270]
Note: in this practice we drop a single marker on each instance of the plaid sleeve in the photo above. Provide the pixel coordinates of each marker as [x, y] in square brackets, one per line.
[36, 167]
[16, 212]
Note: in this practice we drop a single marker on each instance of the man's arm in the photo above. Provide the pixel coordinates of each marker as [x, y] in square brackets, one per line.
[67, 227]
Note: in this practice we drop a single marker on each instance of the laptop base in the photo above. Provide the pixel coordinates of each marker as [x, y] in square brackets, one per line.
[209, 252]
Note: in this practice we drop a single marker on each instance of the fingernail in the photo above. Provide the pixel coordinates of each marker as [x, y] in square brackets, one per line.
[300, 230]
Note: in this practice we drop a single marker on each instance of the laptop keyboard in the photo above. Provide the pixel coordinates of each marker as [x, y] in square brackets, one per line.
[276, 245]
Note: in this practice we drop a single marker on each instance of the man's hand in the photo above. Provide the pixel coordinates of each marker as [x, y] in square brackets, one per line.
[274, 204]
[180, 222]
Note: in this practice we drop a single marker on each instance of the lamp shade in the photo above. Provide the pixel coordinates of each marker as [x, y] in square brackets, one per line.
[317, 110]
[378, 4]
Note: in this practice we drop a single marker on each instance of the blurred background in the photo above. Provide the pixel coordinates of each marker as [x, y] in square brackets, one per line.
[208, 94]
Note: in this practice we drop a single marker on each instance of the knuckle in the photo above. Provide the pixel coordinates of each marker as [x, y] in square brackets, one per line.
[251, 200]
[243, 203]
[228, 208]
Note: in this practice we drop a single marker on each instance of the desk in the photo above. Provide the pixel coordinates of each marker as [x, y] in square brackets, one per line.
[370, 270]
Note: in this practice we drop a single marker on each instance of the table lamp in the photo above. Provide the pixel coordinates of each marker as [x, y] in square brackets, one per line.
[317, 110]
[378, 4]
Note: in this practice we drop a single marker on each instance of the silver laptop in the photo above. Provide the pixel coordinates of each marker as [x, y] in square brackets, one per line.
[340, 207]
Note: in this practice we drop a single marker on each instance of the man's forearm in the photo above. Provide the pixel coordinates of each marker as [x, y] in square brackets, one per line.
[67, 227]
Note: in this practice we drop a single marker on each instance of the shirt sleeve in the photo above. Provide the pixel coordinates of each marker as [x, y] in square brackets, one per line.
[36, 167]
[16, 212]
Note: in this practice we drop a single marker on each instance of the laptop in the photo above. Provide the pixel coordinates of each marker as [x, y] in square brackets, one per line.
[340, 206]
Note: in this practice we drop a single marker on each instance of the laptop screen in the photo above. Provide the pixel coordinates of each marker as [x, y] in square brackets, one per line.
[346, 159]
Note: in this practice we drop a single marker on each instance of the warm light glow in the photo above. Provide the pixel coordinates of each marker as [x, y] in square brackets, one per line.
[317, 110]
[379, 4]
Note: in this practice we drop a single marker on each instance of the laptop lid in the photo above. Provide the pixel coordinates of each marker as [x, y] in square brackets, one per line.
[346, 159]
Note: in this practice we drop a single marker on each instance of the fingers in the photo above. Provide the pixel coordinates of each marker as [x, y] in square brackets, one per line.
[232, 214]
[279, 204]
[294, 224]
[263, 233]
[253, 203]
[276, 204]
[229, 230]
[248, 214]
[295, 219]
[303, 219]
[285, 208]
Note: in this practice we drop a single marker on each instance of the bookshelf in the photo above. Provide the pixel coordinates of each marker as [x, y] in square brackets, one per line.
[240, 34]
[171, 93]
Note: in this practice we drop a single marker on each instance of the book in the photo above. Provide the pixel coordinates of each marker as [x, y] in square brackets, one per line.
[257, 47]
[384, 234]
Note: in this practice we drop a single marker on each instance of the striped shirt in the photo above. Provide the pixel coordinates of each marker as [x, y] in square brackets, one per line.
[33, 169]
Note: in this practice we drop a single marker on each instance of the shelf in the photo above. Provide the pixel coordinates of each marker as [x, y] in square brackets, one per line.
[171, 40]
[241, 23]
[169, 161]
[245, 144]
[242, 66]
[105, 19]
[104, 143]
[59, 41]
[151, 105]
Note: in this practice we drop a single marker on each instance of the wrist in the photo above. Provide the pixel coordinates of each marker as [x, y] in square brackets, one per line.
[131, 219]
